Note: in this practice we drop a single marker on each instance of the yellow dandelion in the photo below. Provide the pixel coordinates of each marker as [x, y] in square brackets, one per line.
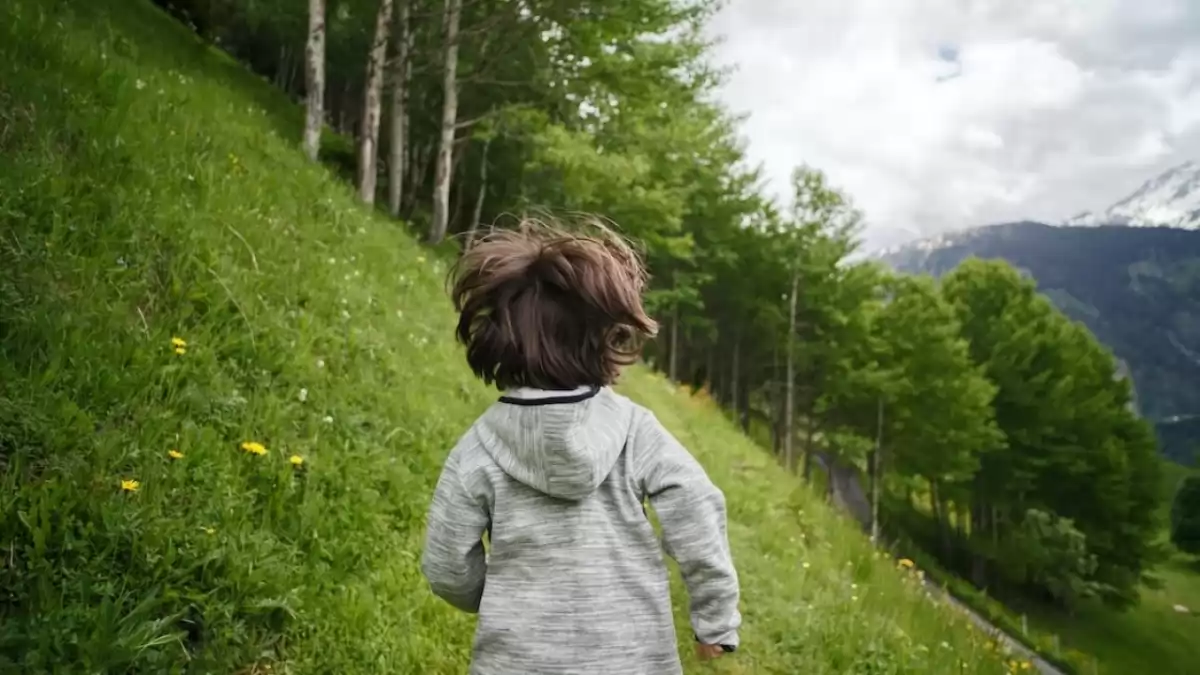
[296, 460]
[178, 342]
[905, 562]
[174, 454]
[181, 350]
[130, 485]
[254, 448]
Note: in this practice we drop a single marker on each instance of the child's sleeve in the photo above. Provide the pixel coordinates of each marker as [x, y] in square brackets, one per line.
[692, 513]
[453, 560]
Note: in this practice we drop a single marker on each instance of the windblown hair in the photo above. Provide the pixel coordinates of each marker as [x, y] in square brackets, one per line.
[546, 308]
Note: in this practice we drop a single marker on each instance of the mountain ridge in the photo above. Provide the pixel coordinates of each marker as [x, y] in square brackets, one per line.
[1171, 199]
[1136, 288]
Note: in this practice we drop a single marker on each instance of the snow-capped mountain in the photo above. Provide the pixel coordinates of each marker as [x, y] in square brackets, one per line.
[1171, 199]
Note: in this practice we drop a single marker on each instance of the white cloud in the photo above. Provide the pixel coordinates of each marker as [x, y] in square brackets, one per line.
[941, 114]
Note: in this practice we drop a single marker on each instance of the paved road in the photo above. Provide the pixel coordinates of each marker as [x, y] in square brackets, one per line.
[848, 493]
[1013, 645]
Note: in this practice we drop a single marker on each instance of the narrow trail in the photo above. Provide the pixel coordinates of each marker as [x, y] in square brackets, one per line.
[849, 495]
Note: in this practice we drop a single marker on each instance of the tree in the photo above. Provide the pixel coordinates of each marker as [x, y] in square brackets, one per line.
[940, 419]
[441, 179]
[1073, 447]
[815, 244]
[398, 134]
[1051, 553]
[368, 144]
[314, 79]
[1185, 516]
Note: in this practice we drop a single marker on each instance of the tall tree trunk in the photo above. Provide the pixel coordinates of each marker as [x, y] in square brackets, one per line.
[710, 374]
[441, 174]
[343, 110]
[401, 73]
[978, 538]
[941, 518]
[774, 400]
[745, 411]
[368, 144]
[477, 215]
[934, 503]
[418, 168]
[673, 360]
[779, 419]
[280, 67]
[789, 450]
[876, 474]
[459, 197]
[314, 79]
[810, 432]
[734, 374]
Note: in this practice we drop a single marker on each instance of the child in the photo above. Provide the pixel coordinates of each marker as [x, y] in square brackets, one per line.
[557, 472]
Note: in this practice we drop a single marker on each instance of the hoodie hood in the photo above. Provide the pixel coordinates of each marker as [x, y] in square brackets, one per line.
[563, 444]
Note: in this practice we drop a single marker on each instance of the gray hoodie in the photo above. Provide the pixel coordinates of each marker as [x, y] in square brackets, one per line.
[575, 580]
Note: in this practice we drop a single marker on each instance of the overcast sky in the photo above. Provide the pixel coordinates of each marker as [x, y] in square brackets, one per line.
[936, 115]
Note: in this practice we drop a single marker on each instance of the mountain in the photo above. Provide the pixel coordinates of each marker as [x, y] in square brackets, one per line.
[1136, 288]
[1171, 199]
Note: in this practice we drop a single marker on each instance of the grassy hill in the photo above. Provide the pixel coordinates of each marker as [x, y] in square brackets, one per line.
[180, 290]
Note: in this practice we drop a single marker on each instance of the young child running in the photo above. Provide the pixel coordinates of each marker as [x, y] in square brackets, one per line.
[558, 470]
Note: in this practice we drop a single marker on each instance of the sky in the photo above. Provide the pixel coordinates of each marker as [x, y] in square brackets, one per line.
[936, 115]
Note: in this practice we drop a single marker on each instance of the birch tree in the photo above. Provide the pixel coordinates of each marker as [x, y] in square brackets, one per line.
[401, 75]
[368, 147]
[441, 174]
[314, 79]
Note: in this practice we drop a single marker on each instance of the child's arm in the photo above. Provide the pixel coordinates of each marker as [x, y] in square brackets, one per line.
[453, 560]
[692, 512]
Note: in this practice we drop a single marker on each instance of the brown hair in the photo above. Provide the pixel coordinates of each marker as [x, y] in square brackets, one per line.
[541, 307]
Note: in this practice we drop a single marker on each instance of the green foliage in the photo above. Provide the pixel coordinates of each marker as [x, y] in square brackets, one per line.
[938, 417]
[1053, 554]
[1073, 447]
[1134, 288]
[1185, 516]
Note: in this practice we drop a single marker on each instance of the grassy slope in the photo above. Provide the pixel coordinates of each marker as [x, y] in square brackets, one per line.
[1151, 637]
[150, 188]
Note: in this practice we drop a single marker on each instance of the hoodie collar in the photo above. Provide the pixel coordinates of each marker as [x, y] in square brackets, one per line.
[529, 396]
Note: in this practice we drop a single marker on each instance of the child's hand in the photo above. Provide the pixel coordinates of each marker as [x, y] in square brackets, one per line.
[708, 652]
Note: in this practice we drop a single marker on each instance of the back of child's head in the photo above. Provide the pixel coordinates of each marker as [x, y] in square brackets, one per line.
[546, 308]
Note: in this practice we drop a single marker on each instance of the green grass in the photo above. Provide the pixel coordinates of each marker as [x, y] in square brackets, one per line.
[151, 188]
[1151, 637]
